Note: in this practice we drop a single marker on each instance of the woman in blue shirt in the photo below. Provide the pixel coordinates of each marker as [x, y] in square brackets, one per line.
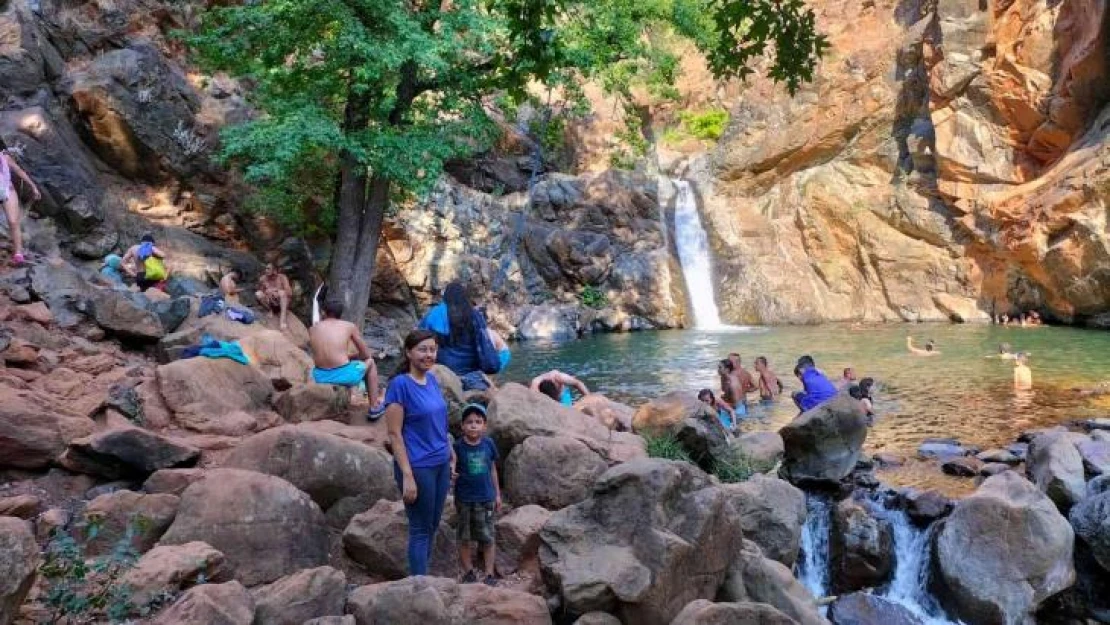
[424, 460]
[457, 324]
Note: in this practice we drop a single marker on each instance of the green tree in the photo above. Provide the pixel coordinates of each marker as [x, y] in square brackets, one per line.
[362, 101]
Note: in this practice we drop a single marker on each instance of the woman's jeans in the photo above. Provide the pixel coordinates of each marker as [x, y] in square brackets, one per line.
[424, 513]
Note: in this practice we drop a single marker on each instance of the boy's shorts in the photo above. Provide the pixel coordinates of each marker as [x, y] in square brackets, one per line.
[476, 522]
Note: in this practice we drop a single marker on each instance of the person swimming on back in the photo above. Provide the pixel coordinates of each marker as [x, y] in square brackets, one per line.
[930, 348]
[770, 386]
[725, 413]
[556, 385]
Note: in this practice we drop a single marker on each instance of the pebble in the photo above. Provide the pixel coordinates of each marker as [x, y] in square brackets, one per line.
[961, 467]
[889, 460]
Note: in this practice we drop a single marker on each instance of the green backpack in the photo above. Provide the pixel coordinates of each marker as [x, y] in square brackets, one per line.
[154, 269]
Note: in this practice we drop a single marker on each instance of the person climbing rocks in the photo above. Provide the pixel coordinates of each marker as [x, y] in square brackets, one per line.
[330, 341]
[818, 388]
[111, 270]
[147, 263]
[10, 199]
[929, 350]
[556, 385]
[477, 494]
[229, 287]
[274, 293]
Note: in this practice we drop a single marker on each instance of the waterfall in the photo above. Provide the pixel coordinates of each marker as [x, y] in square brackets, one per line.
[813, 567]
[693, 254]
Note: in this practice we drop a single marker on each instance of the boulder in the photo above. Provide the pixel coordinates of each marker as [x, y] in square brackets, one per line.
[823, 444]
[861, 608]
[1055, 466]
[1003, 551]
[692, 423]
[1004, 456]
[1095, 455]
[378, 540]
[127, 452]
[763, 449]
[126, 314]
[755, 578]
[427, 600]
[549, 322]
[172, 481]
[32, 432]
[21, 506]
[313, 402]
[301, 596]
[962, 466]
[925, 506]
[19, 555]
[146, 516]
[279, 358]
[210, 604]
[703, 612]
[518, 536]
[173, 568]
[771, 512]
[942, 449]
[597, 618]
[515, 413]
[551, 471]
[994, 468]
[263, 525]
[861, 548]
[201, 390]
[328, 468]
[1091, 520]
[653, 536]
[613, 415]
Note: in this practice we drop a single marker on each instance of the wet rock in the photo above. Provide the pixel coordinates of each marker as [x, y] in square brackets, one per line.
[146, 516]
[692, 423]
[21, 506]
[961, 467]
[653, 535]
[1091, 520]
[263, 525]
[172, 568]
[301, 596]
[942, 450]
[924, 507]
[210, 604]
[861, 548]
[823, 444]
[757, 579]
[328, 468]
[886, 460]
[19, 555]
[1100, 423]
[127, 452]
[703, 612]
[1020, 450]
[378, 540]
[998, 455]
[861, 608]
[1003, 551]
[1056, 467]
[762, 448]
[33, 432]
[1095, 455]
[425, 600]
[549, 322]
[313, 402]
[517, 413]
[551, 471]
[771, 512]
[518, 536]
[1027, 436]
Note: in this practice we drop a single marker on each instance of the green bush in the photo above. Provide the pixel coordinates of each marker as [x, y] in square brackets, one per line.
[737, 468]
[667, 447]
[593, 297]
[708, 124]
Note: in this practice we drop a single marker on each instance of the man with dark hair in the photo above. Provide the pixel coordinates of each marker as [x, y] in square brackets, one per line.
[746, 383]
[274, 293]
[930, 348]
[330, 341]
[770, 386]
[556, 385]
[818, 388]
[146, 262]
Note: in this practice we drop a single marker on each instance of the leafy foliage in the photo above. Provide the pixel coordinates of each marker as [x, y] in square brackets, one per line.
[402, 87]
[708, 124]
[593, 297]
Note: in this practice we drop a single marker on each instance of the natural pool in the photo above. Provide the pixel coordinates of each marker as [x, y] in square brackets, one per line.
[960, 393]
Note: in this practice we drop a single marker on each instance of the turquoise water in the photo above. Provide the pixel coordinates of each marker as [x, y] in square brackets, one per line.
[959, 393]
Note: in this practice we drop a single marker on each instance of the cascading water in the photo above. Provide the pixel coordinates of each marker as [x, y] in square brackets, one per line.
[908, 586]
[692, 244]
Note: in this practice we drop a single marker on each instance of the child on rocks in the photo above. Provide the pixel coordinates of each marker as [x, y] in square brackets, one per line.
[477, 493]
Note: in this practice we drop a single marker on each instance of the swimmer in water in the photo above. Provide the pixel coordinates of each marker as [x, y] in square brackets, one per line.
[1023, 376]
[929, 350]
[725, 412]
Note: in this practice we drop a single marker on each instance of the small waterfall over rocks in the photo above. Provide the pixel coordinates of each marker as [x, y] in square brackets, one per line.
[908, 586]
[692, 245]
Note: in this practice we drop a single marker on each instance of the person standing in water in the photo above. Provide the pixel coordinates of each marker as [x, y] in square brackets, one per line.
[746, 383]
[10, 199]
[1023, 375]
[770, 386]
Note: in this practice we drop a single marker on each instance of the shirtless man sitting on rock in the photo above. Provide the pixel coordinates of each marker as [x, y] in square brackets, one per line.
[330, 340]
[274, 292]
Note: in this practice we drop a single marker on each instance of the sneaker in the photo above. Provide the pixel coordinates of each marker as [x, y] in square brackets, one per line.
[470, 577]
[489, 581]
[376, 413]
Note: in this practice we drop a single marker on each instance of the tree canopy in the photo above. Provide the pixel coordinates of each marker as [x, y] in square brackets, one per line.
[362, 101]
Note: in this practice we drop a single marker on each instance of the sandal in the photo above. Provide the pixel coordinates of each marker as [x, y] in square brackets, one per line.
[376, 413]
[18, 260]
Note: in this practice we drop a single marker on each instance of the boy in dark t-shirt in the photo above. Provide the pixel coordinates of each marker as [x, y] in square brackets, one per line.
[477, 493]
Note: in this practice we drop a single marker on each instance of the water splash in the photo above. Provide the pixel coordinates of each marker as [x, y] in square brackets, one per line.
[813, 565]
[909, 586]
[692, 244]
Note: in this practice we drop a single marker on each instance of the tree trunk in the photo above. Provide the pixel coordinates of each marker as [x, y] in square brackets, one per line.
[363, 200]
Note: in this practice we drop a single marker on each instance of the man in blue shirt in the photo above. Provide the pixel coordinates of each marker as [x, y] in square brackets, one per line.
[477, 493]
[818, 388]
